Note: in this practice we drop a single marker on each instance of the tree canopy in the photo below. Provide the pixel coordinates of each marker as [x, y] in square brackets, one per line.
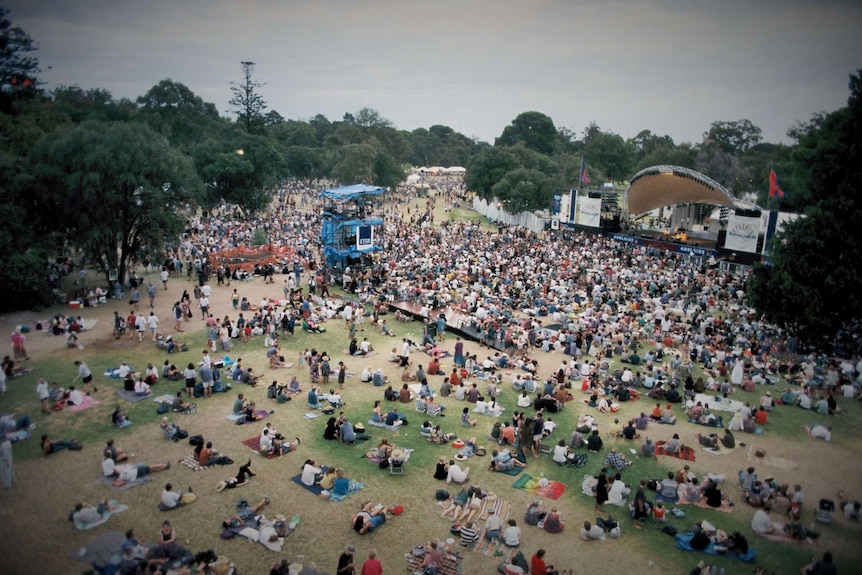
[811, 283]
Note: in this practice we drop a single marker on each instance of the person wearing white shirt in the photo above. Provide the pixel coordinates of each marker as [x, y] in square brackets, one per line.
[75, 397]
[310, 472]
[457, 474]
[589, 532]
[153, 324]
[123, 370]
[761, 522]
[265, 442]
[512, 534]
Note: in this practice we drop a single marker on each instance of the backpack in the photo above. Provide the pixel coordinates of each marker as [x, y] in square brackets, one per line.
[196, 439]
[182, 434]
[163, 408]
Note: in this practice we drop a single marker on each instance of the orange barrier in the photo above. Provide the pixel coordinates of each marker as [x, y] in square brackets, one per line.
[246, 257]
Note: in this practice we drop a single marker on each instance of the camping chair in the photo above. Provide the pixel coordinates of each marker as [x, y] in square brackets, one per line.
[432, 410]
[396, 466]
[825, 509]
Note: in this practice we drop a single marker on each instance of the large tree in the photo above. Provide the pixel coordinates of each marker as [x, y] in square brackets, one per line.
[177, 113]
[534, 130]
[240, 168]
[18, 67]
[812, 283]
[114, 189]
[247, 102]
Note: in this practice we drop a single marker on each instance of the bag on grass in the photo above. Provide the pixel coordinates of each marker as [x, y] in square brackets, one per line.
[441, 495]
[196, 440]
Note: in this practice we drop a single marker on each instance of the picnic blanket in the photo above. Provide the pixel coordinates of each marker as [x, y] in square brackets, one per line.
[192, 463]
[251, 531]
[99, 550]
[261, 413]
[132, 396]
[451, 564]
[394, 427]
[500, 507]
[685, 452]
[496, 413]
[779, 536]
[371, 353]
[406, 458]
[529, 483]
[718, 403]
[772, 460]
[18, 435]
[726, 507]
[123, 485]
[717, 422]
[312, 415]
[683, 541]
[254, 444]
[88, 402]
[166, 398]
[352, 487]
[83, 526]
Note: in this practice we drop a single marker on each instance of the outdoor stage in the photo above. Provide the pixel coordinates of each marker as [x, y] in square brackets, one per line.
[457, 322]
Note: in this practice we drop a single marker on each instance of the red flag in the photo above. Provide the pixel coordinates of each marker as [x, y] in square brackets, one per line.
[584, 177]
[774, 190]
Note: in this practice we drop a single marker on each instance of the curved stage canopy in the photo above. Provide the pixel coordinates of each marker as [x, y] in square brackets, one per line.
[660, 186]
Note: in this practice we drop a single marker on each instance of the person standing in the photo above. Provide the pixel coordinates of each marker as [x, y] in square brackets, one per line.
[164, 275]
[372, 565]
[151, 293]
[7, 472]
[134, 297]
[178, 316]
[346, 564]
[153, 322]
[44, 395]
[85, 375]
[19, 351]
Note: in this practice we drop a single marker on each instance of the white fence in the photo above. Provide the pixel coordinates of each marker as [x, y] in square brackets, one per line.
[492, 210]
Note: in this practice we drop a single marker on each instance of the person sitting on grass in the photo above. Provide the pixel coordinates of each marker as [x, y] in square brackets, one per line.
[466, 421]
[172, 499]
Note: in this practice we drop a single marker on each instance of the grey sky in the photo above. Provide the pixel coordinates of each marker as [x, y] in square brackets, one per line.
[670, 66]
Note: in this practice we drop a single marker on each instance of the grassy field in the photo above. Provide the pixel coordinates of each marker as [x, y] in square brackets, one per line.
[47, 488]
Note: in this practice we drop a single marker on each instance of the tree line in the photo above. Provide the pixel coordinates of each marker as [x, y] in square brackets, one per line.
[112, 178]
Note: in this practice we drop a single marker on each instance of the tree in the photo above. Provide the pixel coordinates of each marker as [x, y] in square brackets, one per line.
[177, 113]
[533, 129]
[811, 284]
[487, 168]
[248, 104]
[240, 169]
[114, 189]
[525, 189]
[18, 68]
[610, 154]
[733, 137]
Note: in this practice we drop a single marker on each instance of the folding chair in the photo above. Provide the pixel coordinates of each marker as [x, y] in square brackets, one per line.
[396, 466]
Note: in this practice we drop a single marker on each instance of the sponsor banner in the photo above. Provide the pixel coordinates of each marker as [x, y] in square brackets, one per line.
[364, 238]
[589, 212]
[555, 224]
[555, 209]
[742, 233]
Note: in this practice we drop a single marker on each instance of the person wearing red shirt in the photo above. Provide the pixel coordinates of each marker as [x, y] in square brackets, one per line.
[538, 566]
[372, 565]
[761, 417]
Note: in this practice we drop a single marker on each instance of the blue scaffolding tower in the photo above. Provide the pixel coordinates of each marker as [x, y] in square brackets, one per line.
[349, 232]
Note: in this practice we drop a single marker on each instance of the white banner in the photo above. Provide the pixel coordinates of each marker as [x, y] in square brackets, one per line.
[364, 238]
[589, 211]
[742, 233]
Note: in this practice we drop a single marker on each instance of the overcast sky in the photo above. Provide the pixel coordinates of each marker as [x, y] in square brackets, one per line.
[670, 66]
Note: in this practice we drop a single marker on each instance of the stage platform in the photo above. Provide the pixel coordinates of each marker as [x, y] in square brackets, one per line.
[457, 322]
